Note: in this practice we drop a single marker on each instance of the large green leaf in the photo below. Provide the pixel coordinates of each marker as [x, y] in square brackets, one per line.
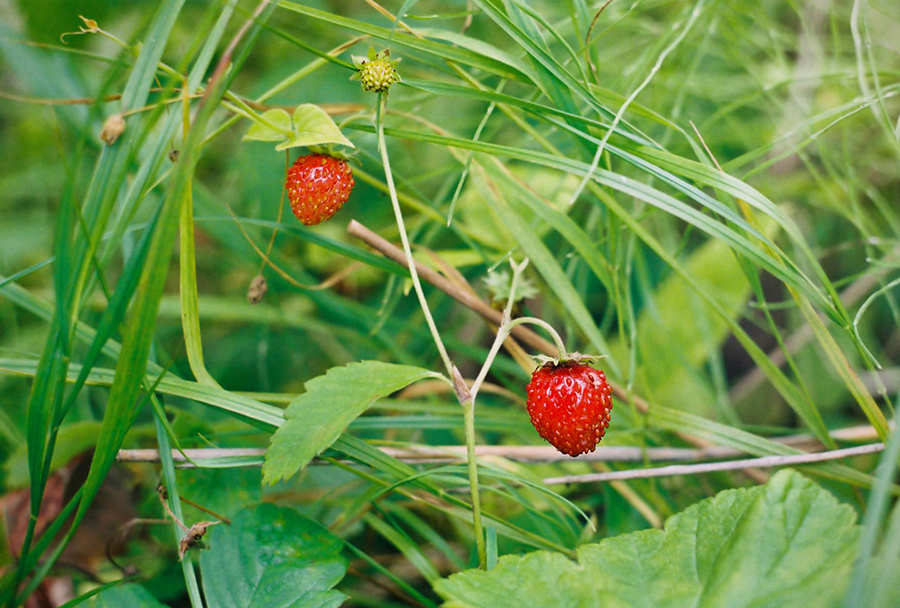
[787, 543]
[272, 557]
[315, 419]
[309, 125]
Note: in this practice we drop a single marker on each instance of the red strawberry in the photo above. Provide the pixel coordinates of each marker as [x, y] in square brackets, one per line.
[318, 185]
[569, 403]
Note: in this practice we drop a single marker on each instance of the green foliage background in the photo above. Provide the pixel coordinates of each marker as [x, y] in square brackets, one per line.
[734, 254]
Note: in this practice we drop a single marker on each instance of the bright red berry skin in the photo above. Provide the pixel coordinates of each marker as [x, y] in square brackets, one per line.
[570, 404]
[318, 185]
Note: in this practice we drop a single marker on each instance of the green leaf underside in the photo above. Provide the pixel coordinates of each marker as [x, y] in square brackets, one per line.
[315, 419]
[272, 557]
[310, 125]
[788, 543]
[261, 132]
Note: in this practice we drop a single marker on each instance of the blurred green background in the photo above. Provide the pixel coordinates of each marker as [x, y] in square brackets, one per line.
[798, 99]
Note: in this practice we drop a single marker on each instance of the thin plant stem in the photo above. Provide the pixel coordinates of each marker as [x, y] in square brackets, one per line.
[710, 467]
[465, 398]
[287, 165]
[503, 330]
[398, 214]
[557, 340]
[472, 466]
[469, 415]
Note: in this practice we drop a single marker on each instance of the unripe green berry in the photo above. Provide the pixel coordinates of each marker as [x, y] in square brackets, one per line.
[377, 76]
[376, 72]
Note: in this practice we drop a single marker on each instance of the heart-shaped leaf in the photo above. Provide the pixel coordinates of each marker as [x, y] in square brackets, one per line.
[313, 127]
[315, 419]
[272, 557]
[788, 543]
[279, 119]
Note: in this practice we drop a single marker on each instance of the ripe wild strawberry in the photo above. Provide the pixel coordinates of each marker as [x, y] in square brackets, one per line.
[318, 185]
[569, 404]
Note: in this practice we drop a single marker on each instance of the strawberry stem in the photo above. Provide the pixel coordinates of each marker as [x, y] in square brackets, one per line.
[506, 326]
[467, 403]
[469, 412]
[398, 214]
[563, 353]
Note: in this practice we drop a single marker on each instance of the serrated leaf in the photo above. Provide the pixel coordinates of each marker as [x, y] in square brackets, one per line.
[261, 132]
[128, 595]
[272, 557]
[315, 419]
[788, 543]
[313, 127]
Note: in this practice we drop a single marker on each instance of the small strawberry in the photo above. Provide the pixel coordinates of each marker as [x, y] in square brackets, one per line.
[376, 72]
[318, 185]
[569, 403]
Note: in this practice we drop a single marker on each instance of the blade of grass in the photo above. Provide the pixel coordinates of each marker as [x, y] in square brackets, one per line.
[174, 501]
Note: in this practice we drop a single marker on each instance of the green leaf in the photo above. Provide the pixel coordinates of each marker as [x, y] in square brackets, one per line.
[787, 543]
[313, 127]
[272, 557]
[222, 490]
[315, 419]
[277, 118]
[128, 595]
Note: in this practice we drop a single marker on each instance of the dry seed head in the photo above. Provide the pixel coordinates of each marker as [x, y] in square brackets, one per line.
[257, 290]
[112, 129]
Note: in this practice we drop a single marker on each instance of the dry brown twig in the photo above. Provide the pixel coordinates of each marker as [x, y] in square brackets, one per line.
[709, 467]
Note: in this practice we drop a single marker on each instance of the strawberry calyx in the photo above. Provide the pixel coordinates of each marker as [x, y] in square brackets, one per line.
[570, 360]
[337, 152]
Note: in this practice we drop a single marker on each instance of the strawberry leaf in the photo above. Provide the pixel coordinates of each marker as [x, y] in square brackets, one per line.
[272, 557]
[274, 126]
[788, 543]
[315, 419]
[313, 127]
